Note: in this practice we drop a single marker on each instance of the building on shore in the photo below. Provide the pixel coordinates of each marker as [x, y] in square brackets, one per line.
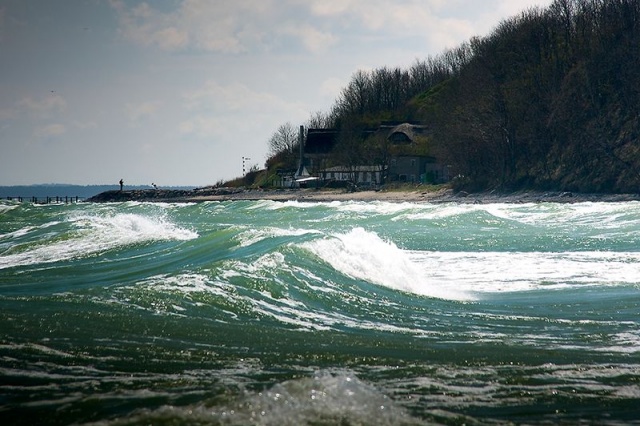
[405, 156]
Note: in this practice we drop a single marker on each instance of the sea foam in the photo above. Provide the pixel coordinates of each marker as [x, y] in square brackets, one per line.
[91, 234]
[364, 255]
[506, 272]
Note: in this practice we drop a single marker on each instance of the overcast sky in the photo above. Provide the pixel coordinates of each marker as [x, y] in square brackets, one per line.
[176, 92]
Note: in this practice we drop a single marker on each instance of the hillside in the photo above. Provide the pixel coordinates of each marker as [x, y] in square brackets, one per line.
[549, 100]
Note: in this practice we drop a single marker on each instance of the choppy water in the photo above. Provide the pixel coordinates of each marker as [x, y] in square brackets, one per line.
[319, 313]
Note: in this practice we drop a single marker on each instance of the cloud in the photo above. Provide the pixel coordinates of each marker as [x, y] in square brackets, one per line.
[312, 39]
[83, 125]
[50, 131]
[171, 38]
[217, 110]
[43, 107]
[331, 88]
[143, 25]
[398, 17]
[235, 97]
[225, 27]
[511, 8]
[229, 27]
[439, 24]
[202, 127]
[315, 26]
[141, 111]
[8, 114]
[329, 8]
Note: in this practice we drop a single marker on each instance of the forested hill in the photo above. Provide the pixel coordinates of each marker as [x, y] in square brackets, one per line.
[549, 100]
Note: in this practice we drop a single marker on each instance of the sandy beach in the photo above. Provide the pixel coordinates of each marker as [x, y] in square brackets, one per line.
[445, 195]
[418, 194]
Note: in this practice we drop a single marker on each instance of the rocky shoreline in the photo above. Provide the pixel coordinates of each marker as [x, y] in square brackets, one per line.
[444, 195]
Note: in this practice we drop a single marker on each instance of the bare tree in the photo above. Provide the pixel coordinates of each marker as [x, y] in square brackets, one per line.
[283, 140]
[320, 120]
[354, 97]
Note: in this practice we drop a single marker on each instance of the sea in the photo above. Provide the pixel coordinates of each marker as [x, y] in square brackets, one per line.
[332, 313]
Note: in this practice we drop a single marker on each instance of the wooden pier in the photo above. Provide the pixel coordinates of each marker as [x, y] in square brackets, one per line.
[47, 200]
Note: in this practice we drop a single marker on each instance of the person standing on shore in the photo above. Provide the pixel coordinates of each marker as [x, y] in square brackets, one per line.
[121, 184]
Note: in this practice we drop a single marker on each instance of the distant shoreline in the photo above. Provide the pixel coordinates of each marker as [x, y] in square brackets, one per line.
[418, 195]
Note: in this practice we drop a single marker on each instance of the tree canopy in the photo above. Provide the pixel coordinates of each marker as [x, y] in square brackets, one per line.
[548, 100]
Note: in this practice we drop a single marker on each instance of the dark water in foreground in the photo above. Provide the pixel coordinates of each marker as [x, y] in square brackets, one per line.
[330, 313]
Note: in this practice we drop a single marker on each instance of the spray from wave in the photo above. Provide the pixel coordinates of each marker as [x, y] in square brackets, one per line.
[324, 399]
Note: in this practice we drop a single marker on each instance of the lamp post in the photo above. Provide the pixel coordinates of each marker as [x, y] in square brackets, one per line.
[244, 159]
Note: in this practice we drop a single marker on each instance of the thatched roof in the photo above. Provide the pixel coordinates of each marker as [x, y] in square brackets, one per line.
[405, 133]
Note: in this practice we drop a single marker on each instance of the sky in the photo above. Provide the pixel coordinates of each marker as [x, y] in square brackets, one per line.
[186, 92]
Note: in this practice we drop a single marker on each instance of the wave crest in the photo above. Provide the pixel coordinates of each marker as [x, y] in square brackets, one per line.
[91, 234]
[364, 255]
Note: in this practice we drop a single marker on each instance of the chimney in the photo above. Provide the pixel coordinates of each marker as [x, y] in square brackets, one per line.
[301, 169]
[301, 143]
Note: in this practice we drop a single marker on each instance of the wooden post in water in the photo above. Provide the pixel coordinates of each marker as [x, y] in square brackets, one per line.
[68, 199]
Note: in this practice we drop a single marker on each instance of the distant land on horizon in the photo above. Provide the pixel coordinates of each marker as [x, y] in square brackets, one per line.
[67, 190]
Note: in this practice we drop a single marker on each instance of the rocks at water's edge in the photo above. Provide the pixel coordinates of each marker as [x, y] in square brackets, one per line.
[160, 194]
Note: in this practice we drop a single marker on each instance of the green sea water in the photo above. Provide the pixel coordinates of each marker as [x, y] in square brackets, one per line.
[350, 313]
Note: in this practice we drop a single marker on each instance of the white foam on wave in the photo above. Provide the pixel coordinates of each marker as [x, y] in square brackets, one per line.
[186, 284]
[7, 206]
[436, 211]
[279, 205]
[131, 228]
[253, 236]
[498, 272]
[466, 275]
[91, 234]
[153, 293]
[17, 233]
[529, 213]
[587, 214]
[261, 303]
[378, 207]
[364, 255]
[627, 342]
[351, 206]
